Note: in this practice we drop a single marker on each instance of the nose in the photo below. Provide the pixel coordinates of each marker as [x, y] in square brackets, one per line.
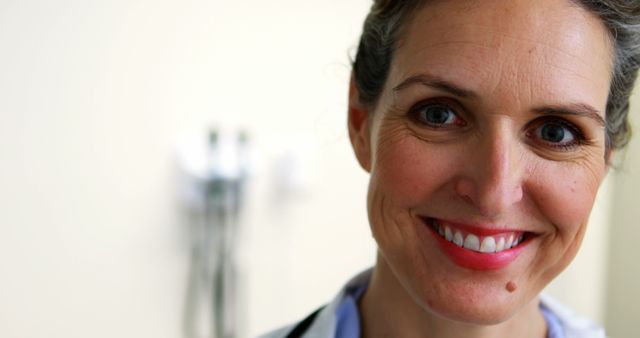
[492, 178]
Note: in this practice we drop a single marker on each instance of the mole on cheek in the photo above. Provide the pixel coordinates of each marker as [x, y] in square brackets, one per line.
[511, 286]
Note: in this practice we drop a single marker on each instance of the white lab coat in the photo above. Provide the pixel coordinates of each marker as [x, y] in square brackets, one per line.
[324, 324]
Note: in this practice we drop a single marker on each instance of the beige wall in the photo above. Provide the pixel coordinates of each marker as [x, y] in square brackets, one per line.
[623, 289]
[95, 97]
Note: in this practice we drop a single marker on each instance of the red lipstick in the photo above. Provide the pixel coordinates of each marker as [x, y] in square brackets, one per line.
[470, 258]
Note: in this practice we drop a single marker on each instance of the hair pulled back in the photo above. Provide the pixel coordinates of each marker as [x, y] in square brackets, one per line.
[384, 23]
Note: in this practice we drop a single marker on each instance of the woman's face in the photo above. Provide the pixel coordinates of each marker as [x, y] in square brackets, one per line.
[489, 132]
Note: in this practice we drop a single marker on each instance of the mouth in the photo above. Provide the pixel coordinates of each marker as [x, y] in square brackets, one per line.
[478, 248]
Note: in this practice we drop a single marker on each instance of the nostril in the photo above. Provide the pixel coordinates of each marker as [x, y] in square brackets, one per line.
[467, 199]
[464, 189]
[488, 197]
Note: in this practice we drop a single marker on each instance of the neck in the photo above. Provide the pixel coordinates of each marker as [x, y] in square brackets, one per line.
[387, 310]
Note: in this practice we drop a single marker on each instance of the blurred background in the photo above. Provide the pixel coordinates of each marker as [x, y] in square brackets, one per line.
[111, 115]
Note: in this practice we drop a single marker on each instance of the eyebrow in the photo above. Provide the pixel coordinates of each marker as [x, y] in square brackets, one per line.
[436, 83]
[574, 109]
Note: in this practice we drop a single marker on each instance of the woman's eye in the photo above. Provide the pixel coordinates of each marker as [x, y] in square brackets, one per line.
[556, 133]
[559, 134]
[436, 115]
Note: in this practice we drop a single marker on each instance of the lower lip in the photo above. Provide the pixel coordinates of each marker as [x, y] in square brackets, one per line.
[476, 260]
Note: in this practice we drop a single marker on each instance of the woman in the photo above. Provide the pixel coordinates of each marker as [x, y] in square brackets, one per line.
[487, 128]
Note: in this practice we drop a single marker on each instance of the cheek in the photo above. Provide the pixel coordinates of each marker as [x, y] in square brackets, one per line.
[409, 171]
[565, 198]
[405, 175]
[566, 195]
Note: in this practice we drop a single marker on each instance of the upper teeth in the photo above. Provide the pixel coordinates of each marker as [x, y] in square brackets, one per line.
[488, 245]
[484, 244]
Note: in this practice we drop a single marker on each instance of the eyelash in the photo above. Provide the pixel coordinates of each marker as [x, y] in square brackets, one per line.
[532, 128]
[579, 138]
[421, 106]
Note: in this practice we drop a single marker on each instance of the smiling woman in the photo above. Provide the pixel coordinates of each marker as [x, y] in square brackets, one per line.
[487, 128]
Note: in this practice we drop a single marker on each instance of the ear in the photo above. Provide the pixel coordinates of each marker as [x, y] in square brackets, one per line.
[359, 127]
[609, 157]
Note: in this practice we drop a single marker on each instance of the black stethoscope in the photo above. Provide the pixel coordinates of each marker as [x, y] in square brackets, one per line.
[303, 325]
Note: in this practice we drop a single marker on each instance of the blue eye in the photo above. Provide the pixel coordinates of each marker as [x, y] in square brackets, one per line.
[436, 115]
[558, 134]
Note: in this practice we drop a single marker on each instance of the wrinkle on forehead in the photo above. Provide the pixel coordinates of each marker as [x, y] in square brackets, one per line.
[546, 46]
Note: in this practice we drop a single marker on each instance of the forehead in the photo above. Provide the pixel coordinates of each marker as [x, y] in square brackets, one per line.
[544, 50]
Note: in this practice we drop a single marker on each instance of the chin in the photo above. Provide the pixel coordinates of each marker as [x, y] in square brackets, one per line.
[472, 313]
[463, 298]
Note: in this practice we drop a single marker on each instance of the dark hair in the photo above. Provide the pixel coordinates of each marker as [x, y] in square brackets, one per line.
[622, 18]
